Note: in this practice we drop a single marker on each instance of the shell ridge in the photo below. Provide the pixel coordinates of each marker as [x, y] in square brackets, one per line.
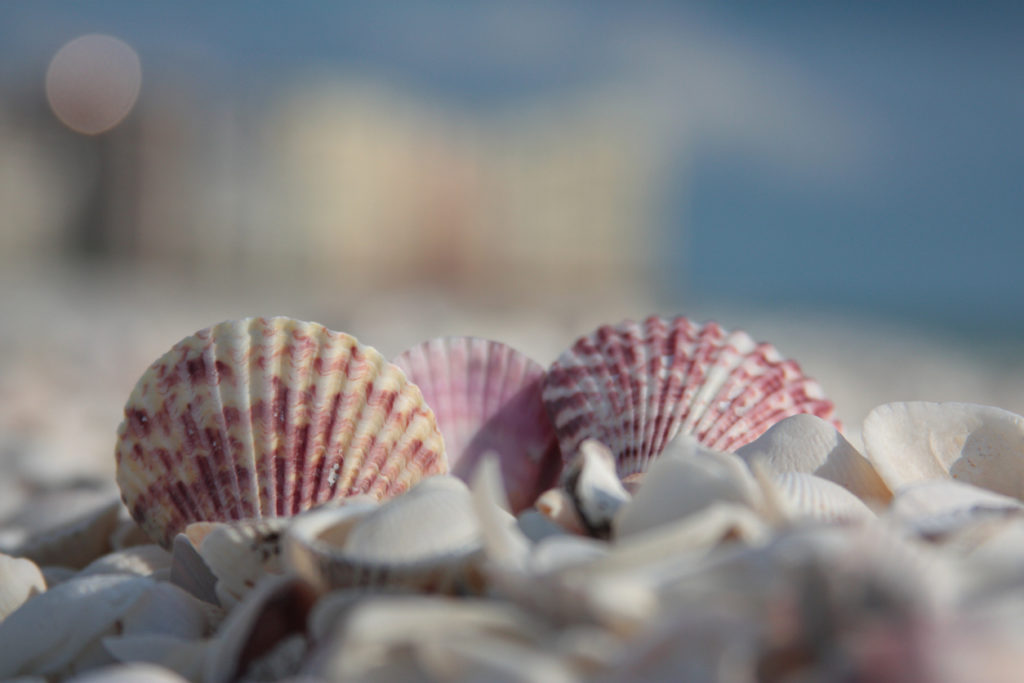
[262, 352]
[372, 438]
[219, 437]
[311, 397]
[681, 406]
[631, 350]
[610, 344]
[721, 364]
[745, 384]
[654, 346]
[679, 346]
[191, 419]
[322, 416]
[302, 396]
[352, 447]
[236, 355]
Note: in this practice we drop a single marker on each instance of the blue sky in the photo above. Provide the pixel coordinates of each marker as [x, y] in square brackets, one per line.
[867, 156]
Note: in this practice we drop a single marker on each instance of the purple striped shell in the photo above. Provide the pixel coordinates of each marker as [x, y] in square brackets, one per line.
[487, 397]
[634, 386]
[266, 418]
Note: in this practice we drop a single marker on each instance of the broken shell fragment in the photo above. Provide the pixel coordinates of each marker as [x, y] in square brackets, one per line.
[806, 443]
[686, 479]
[70, 529]
[937, 507]
[48, 633]
[594, 487]
[428, 539]
[240, 554]
[918, 440]
[265, 418]
[20, 579]
[802, 496]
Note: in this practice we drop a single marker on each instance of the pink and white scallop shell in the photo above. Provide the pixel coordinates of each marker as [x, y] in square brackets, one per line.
[634, 386]
[486, 396]
[266, 418]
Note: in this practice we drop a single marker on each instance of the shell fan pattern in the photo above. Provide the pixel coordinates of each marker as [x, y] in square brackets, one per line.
[635, 386]
[487, 398]
[265, 418]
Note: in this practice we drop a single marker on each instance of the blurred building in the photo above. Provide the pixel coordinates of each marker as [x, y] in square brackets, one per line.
[342, 180]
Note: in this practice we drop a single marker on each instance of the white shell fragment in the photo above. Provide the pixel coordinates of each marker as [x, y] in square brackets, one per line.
[938, 507]
[594, 486]
[20, 579]
[980, 445]
[808, 497]
[130, 673]
[396, 638]
[269, 614]
[239, 554]
[49, 632]
[70, 530]
[806, 443]
[428, 538]
[687, 478]
[139, 560]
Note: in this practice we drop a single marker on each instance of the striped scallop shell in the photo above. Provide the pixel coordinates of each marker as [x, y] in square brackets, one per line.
[487, 397]
[634, 386]
[266, 418]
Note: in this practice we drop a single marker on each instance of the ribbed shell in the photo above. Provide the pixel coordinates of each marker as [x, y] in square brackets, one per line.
[486, 396]
[268, 417]
[634, 386]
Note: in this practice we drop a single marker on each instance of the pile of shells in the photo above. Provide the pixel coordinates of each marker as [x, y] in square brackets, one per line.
[666, 501]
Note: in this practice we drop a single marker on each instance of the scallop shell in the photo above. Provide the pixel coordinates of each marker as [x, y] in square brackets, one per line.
[486, 396]
[636, 385]
[265, 418]
[918, 440]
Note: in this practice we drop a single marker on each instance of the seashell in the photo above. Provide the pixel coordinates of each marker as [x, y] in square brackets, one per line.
[557, 506]
[802, 496]
[536, 527]
[938, 507]
[47, 634]
[68, 528]
[596, 491]
[387, 638]
[20, 579]
[918, 440]
[277, 608]
[139, 560]
[503, 540]
[806, 443]
[427, 539]
[130, 673]
[686, 479]
[239, 554]
[265, 418]
[486, 396]
[190, 572]
[634, 387]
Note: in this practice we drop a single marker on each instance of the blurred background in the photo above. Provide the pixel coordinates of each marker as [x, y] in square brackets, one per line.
[844, 180]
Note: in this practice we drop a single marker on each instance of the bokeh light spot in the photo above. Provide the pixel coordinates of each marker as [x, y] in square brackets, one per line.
[92, 83]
